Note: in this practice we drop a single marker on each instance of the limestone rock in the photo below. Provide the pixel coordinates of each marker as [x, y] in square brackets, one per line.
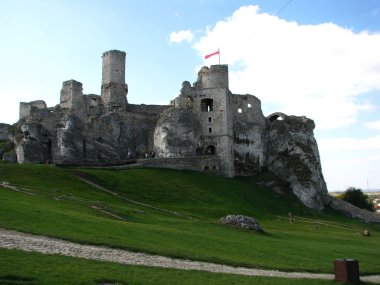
[177, 133]
[294, 157]
[68, 141]
[243, 222]
[31, 151]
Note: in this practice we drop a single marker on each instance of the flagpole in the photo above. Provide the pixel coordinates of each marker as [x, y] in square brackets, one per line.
[219, 55]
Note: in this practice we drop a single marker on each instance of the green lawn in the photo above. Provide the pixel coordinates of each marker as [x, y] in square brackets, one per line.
[32, 268]
[62, 206]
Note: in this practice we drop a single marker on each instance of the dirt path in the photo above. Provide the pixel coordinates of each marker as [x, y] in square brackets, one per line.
[130, 200]
[16, 240]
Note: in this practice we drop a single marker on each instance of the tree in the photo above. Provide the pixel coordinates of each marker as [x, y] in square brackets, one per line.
[356, 197]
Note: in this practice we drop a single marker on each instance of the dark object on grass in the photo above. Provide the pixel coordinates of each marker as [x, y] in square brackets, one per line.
[347, 270]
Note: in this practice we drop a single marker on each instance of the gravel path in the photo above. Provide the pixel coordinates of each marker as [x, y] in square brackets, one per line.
[16, 240]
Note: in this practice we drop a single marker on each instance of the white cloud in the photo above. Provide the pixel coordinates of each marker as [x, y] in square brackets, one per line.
[373, 125]
[315, 70]
[336, 145]
[323, 71]
[178, 37]
[350, 162]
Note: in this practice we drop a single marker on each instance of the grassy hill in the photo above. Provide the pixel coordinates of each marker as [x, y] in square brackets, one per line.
[176, 213]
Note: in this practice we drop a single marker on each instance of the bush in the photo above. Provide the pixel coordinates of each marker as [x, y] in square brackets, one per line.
[356, 197]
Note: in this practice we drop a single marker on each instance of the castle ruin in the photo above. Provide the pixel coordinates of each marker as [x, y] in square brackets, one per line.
[205, 128]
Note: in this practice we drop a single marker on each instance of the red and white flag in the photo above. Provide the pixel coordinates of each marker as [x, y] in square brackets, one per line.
[211, 54]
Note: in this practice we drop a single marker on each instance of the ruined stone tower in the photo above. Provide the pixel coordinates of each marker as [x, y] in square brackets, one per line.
[213, 104]
[114, 90]
[72, 96]
[208, 104]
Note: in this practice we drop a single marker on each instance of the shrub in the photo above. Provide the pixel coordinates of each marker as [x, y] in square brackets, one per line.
[356, 197]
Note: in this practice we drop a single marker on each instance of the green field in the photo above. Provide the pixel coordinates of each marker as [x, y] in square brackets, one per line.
[180, 218]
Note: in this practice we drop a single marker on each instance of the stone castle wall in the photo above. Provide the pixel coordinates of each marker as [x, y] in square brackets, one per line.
[28, 109]
[207, 164]
[147, 109]
[206, 128]
[5, 133]
[250, 135]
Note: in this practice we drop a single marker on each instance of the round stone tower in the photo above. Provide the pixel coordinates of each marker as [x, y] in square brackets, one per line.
[214, 77]
[114, 90]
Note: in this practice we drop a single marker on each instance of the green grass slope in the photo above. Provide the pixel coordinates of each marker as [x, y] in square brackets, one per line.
[176, 213]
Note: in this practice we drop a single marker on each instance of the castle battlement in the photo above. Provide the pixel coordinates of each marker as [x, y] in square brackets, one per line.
[214, 77]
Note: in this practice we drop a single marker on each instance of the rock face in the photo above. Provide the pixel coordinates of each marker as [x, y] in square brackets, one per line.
[243, 222]
[177, 133]
[294, 157]
[205, 128]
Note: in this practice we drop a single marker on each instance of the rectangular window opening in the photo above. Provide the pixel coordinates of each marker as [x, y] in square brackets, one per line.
[210, 130]
[249, 105]
[209, 119]
[240, 110]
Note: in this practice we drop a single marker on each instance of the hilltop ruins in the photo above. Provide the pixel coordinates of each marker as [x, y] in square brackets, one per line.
[206, 128]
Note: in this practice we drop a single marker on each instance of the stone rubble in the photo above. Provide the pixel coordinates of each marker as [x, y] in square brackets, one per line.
[243, 222]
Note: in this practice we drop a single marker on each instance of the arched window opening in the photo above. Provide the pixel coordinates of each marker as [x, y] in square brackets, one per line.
[275, 117]
[210, 150]
[207, 105]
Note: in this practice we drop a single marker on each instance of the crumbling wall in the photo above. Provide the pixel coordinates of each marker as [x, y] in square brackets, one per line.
[72, 97]
[250, 135]
[6, 146]
[147, 109]
[206, 164]
[215, 76]
[93, 105]
[34, 109]
[5, 133]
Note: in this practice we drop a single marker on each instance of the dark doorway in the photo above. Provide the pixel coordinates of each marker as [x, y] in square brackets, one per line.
[210, 150]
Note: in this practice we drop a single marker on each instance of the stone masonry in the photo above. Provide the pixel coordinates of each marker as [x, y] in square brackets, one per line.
[205, 128]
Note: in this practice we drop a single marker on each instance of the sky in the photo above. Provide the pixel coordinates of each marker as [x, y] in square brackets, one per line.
[313, 58]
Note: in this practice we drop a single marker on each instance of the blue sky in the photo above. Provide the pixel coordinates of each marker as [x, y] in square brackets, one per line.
[317, 58]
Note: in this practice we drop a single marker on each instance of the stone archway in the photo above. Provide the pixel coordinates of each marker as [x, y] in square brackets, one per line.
[276, 116]
[210, 150]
